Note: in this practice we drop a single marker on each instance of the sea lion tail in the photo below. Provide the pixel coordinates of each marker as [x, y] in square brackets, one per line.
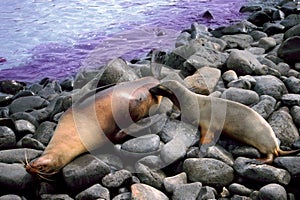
[285, 153]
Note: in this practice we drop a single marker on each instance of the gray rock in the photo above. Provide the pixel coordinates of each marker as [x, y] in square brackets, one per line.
[41, 114]
[204, 80]
[278, 15]
[13, 177]
[250, 79]
[241, 27]
[283, 68]
[25, 116]
[229, 76]
[295, 113]
[273, 28]
[244, 63]
[123, 196]
[142, 144]
[293, 72]
[243, 96]
[259, 18]
[208, 171]
[283, 126]
[207, 193]
[256, 35]
[170, 183]
[267, 43]
[141, 191]
[293, 84]
[266, 106]
[291, 99]
[10, 197]
[240, 83]
[55, 197]
[149, 176]
[256, 50]
[238, 197]
[94, 192]
[239, 41]
[273, 192]
[84, 172]
[290, 163]
[290, 21]
[50, 91]
[29, 142]
[239, 189]
[182, 39]
[116, 179]
[153, 162]
[7, 138]
[110, 159]
[219, 153]
[294, 31]
[289, 50]
[250, 169]
[187, 191]
[24, 127]
[16, 155]
[27, 104]
[245, 151]
[44, 132]
[5, 99]
[270, 85]
[198, 30]
[173, 151]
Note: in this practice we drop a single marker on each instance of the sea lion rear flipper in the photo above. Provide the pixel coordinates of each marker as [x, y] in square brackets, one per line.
[285, 153]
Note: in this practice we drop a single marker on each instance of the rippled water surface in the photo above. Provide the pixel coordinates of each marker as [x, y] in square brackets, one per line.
[55, 38]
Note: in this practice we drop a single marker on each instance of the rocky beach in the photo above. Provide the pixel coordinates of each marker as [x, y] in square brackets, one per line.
[255, 62]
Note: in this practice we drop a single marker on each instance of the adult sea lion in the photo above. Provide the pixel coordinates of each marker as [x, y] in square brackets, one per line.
[94, 122]
[215, 115]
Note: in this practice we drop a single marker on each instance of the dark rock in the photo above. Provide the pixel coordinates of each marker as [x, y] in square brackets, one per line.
[229, 76]
[239, 189]
[240, 83]
[240, 27]
[245, 151]
[291, 20]
[219, 153]
[123, 196]
[187, 191]
[116, 179]
[7, 138]
[283, 126]
[24, 104]
[272, 28]
[207, 192]
[243, 96]
[250, 8]
[291, 99]
[11, 86]
[55, 197]
[142, 144]
[24, 127]
[208, 171]
[145, 192]
[289, 8]
[45, 132]
[29, 142]
[293, 84]
[57, 105]
[270, 85]
[35, 88]
[259, 18]
[5, 99]
[8, 122]
[265, 106]
[23, 93]
[273, 192]
[84, 76]
[170, 183]
[256, 35]
[290, 163]
[17, 155]
[94, 192]
[111, 159]
[294, 31]
[41, 114]
[10, 197]
[67, 84]
[295, 113]
[250, 169]
[289, 50]
[240, 41]
[274, 58]
[244, 63]
[84, 172]
[278, 15]
[25, 116]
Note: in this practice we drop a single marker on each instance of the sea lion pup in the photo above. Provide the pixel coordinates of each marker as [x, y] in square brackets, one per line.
[95, 121]
[215, 115]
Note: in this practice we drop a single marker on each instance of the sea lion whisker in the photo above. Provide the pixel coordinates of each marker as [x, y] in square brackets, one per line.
[44, 178]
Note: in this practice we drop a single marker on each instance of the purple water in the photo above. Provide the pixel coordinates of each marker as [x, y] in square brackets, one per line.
[56, 38]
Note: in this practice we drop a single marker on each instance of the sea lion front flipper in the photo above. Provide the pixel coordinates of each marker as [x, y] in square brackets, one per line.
[267, 160]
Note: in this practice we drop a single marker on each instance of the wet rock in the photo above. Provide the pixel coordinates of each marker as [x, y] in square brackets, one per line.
[240, 27]
[13, 177]
[25, 116]
[24, 127]
[55, 197]
[229, 76]
[142, 144]
[24, 104]
[208, 171]
[187, 191]
[283, 126]
[50, 91]
[67, 84]
[41, 114]
[259, 18]
[245, 151]
[270, 85]
[11, 86]
[116, 179]
[145, 192]
[94, 192]
[207, 192]
[170, 183]
[290, 163]
[293, 84]
[29, 142]
[291, 99]
[295, 113]
[244, 63]
[10, 197]
[250, 169]
[291, 20]
[183, 39]
[219, 153]
[35, 88]
[243, 96]
[256, 35]
[250, 8]
[266, 106]
[239, 189]
[240, 83]
[204, 80]
[44, 132]
[273, 28]
[239, 41]
[4, 112]
[83, 172]
[278, 15]
[149, 176]
[289, 8]
[273, 191]
[267, 43]
[294, 31]
[17, 155]
[84, 76]
[123, 196]
[289, 50]
[5, 99]
[7, 138]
